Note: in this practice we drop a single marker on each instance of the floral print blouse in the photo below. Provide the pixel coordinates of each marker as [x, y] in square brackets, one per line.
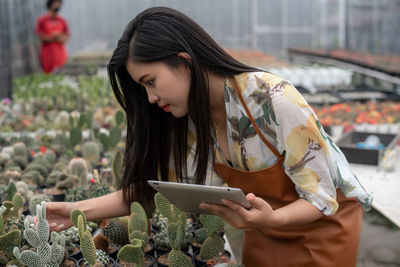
[312, 160]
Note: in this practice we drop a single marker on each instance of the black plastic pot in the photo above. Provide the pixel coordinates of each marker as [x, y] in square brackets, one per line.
[113, 254]
[159, 264]
[58, 197]
[152, 264]
[71, 259]
[78, 255]
[151, 251]
[200, 263]
[113, 262]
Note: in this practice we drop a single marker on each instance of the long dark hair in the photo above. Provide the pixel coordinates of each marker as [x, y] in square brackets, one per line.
[159, 34]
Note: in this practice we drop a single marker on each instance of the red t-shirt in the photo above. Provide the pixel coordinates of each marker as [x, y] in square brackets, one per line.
[52, 54]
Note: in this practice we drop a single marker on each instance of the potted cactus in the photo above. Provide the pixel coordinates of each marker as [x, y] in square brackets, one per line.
[176, 222]
[214, 244]
[46, 254]
[138, 251]
[92, 257]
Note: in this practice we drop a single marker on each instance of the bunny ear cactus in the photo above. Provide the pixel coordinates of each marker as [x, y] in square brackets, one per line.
[176, 222]
[117, 232]
[214, 244]
[116, 167]
[46, 254]
[8, 241]
[138, 219]
[88, 248]
[133, 252]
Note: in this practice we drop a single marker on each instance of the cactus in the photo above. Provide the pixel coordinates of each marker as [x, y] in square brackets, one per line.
[23, 189]
[138, 219]
[176, 222]
[20, 149]
[111, 141]
[33, 177]
[138, 237]
[91, 255]
[37, 167]
[117, 232]
[8, 241]
[46, 254]
[101, 242]
[79, 168]
[76, 194]
[214, 244]
[98, 189]
[10, 191]
[35, 200]
[75, 136]
[66, 182]
[102, 259]
[91, 153]
[116, 167]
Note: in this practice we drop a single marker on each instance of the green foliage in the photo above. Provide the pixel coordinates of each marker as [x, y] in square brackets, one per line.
[119, 117]
[110, 141]
[138, 219]
[98, 189]
[76, 194]
[116, 166]
[10, 191]
[37, 167]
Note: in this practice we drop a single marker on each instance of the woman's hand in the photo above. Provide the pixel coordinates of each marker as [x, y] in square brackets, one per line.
[57, 214]
[261, 214]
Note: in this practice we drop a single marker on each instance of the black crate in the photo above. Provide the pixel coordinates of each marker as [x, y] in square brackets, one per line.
[348, 144]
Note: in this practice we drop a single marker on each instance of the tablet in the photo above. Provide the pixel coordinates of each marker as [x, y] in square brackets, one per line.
[187, 197]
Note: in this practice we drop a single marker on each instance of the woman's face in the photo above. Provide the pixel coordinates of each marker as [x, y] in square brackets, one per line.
[166, 86]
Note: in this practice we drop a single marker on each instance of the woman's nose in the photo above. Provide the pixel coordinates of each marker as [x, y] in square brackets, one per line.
[153, 98]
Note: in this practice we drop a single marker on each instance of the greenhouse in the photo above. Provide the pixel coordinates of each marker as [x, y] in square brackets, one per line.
[199, 133]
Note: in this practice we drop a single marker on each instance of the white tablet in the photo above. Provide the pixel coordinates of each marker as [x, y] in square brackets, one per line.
[187, 197]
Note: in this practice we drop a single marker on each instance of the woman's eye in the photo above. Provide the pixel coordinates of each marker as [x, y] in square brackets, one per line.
[150, 83]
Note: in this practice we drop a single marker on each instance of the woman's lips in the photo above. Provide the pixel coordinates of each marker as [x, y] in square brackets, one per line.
[165, 108]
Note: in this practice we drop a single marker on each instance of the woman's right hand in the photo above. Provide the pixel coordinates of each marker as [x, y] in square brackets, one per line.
[57, 214]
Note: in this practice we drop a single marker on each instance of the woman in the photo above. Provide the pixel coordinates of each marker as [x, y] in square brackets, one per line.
[196, 114]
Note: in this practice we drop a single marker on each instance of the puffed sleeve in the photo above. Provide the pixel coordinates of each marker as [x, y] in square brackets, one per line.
[306, 152]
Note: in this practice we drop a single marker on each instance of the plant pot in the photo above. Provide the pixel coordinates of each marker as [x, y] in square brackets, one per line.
[200, 263]
[69, 262]
[112, 253]
[149, 249]
[111, 264]
[162, 264]
[160, 251]
[77, 255]
[149, 261]
[58, 197]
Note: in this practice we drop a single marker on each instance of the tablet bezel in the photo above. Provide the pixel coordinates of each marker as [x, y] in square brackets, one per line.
[187, 197]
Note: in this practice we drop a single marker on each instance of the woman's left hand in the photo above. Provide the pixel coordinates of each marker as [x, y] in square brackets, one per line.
[260, 215]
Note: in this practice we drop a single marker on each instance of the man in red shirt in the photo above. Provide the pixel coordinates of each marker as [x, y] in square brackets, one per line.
[53, 31]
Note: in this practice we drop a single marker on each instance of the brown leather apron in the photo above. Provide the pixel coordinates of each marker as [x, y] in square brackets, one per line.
[329, 241]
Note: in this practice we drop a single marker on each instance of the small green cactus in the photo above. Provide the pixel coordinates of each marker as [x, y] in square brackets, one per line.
[176, 222]
[8, 241]
[20, 149]
[214, 244]
[79, 168]
[37, 167]
[116, 167]
[132, 253]
[117, 232]
[91, 152]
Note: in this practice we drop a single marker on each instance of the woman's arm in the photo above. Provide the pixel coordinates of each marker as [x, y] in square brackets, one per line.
[108, 206]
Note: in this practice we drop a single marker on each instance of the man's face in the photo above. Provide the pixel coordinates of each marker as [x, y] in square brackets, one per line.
[55, 7]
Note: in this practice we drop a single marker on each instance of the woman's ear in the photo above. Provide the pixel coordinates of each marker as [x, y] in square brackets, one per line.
[186, 57]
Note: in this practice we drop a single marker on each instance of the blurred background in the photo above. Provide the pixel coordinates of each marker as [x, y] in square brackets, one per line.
[342, 55]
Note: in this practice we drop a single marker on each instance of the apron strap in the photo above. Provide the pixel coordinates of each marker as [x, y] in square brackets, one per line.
[239, 94]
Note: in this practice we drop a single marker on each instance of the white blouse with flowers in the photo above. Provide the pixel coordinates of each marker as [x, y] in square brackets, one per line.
[312, 160]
